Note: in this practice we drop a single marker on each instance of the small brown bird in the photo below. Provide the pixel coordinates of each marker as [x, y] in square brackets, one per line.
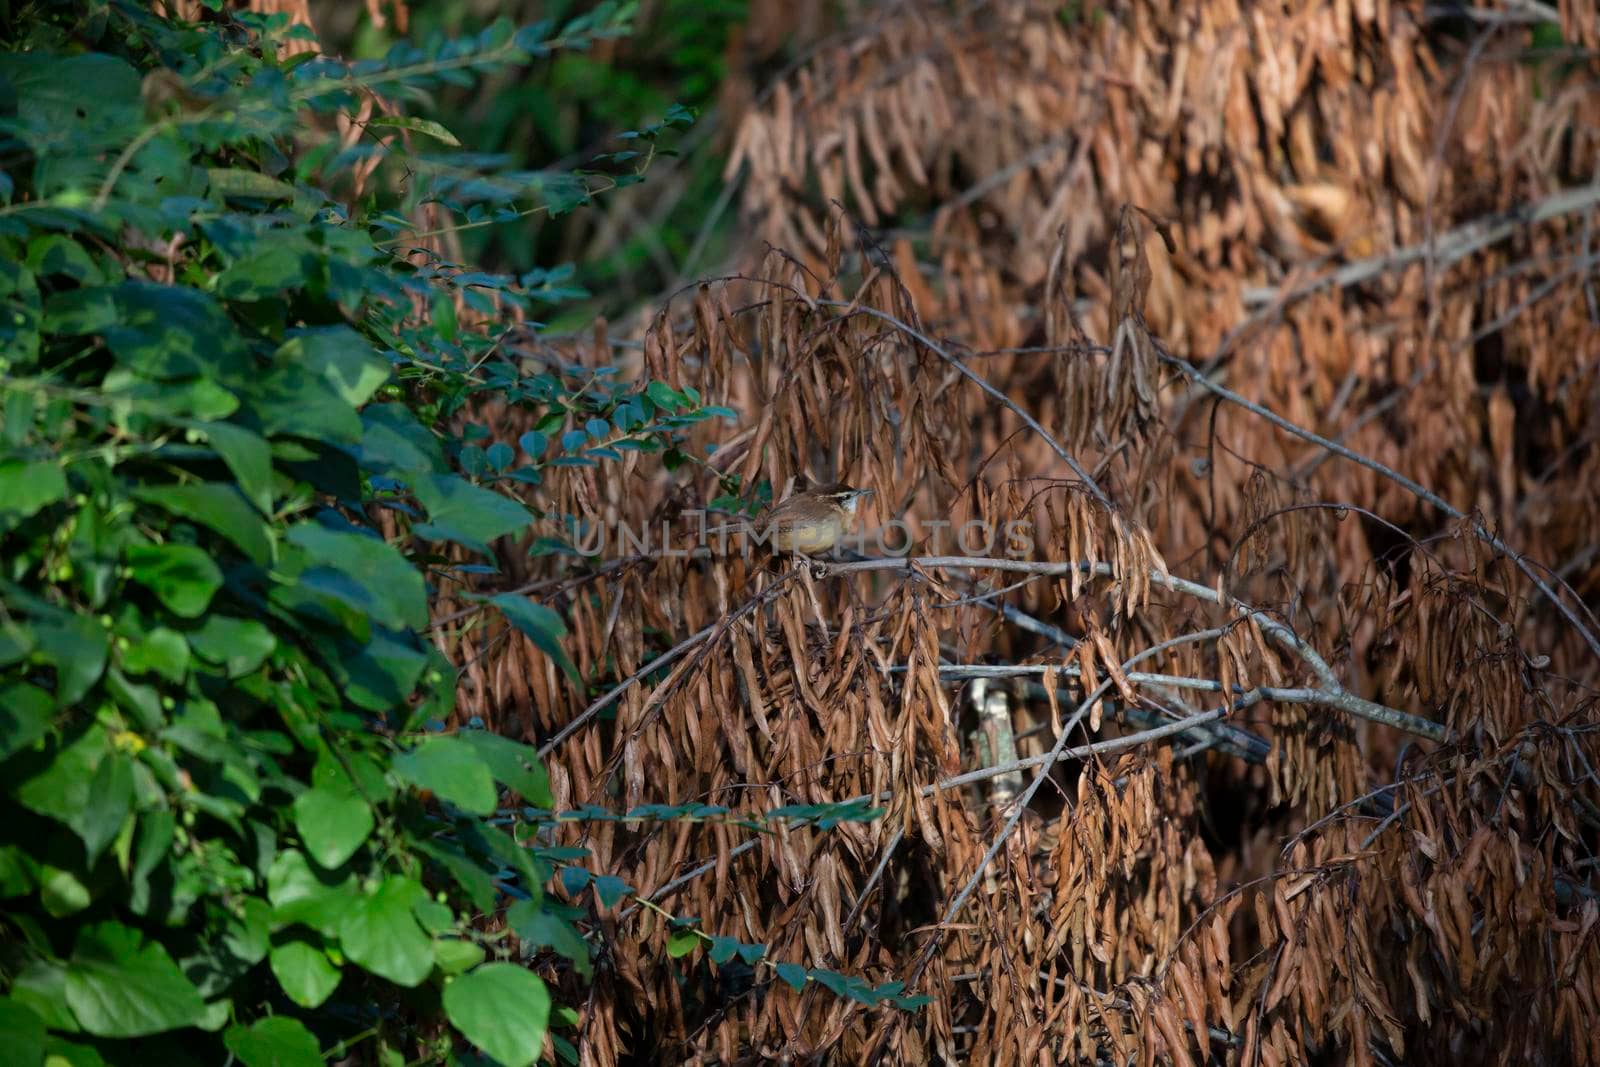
[811, 522]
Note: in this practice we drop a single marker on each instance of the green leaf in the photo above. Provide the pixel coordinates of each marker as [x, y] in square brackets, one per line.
[465, 513]
[443, 317]
[339, 356]
[239, 182]
[436, 918]
[247, 455]
[197, 729]
[167, 331]
[682, 942]
[563, 191]
[81, 311]
[42, 987]
[20, 322]
[381, 934]
[276, 1041]
[332, 823]
[794, 974]
[292, 398]
[25, 712]
[838, 984]
[60, 1052]
[921, 1000]
[221, 507]
[542, 625]
[181, 401]
[27, 488]
[157, 829]
[274, 265]
[20, 311]
[119, 985]
[61, 788]
[515, 765]
[1546, 34]
[575, 879]
[353, 770]
[664, 395]
[456, 955]
[368, 574]
[304, 971]
[239, 646]
[182, 576]
[453, 770]
[827, 816]
[88, 102]
[300, 894]
[162, 651]
[502, 849]
[502, 1008]
[62, 892]
[380, 673]
[16, 641]
[141, 701]
[468, 873]
[393, 441]
[427, 126]
[110, 802]
[78, 646]
[610, 889]
[24, 1033]
[245, 935]
[537, 927]
[16, 421]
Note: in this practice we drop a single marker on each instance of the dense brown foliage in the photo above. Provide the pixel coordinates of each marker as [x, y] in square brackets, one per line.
[1381, 231]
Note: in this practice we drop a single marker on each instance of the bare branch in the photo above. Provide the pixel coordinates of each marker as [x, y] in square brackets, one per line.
[1420, 491]
[1450, 247]
[937, 349]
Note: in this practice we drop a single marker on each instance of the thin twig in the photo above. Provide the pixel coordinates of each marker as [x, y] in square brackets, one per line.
[529, 588]
[1522, 13]
[623, 686]
[1454, 245]
[1045, 763]
[1340, 699]
[877, 875]
[1332, 689]
[1416, 489]
[937, 349]
[1098, 748]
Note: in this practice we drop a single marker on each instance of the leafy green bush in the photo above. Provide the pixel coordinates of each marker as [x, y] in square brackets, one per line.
[235, 826]
[675, 52]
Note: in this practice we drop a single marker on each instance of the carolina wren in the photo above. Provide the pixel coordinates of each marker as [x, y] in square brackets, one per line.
[812, 522]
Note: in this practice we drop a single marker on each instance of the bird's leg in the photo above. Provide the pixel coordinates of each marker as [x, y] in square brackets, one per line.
[800, 561]
[808, 566]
